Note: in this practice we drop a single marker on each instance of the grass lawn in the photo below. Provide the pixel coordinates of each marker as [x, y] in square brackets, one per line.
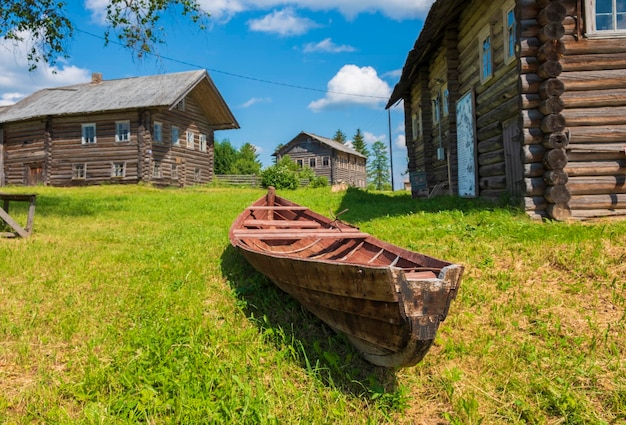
[128, 305]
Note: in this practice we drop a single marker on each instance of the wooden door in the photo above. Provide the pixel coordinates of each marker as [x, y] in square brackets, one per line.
[466, 145]
[512, 157]
[34, 174]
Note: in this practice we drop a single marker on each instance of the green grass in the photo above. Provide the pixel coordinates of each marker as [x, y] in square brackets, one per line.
[128, 305]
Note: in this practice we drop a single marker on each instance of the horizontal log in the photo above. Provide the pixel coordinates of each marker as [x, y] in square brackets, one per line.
[603, 201]
[559, 212]
[555, 177]
[550, 51]
[598, 134]
[535, 202]
[492, 157]
[596, 168]
[591, 214]
[556, 140]
[499, 113]
[584, 46]
[530, 83]
[555, 159]
[529, 47]
[532, 118]
[528, 9]
[551, 31]
[553, 12]
[533, 153]
[534, 186]
[529, 65]
[551, 87]
[590, 155]
[491, 144]
[593, 62]
[491, 130]
[594, 98]
[531, 101]
[594, 80]
[553, 123]
[532, 135]
[534, 169]
[529, 27]
[495, 182]
[558, 194]
[594, 185]
[492, 170]
[550, 69]
[595, 116]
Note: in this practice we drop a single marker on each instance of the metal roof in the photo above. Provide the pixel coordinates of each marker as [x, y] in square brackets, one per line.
[164, 90]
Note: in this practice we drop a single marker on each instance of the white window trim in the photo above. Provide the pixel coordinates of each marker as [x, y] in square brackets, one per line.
[113, 164]
[590, 24]
[84, 167]
[202, 142]
[416, 121]
[508, 56]
[190, 139]
[175, 142]
[174, 171]
[445, 99]
[436, 105]
[117, 132]
[157, 170]
[197, 175]
[158, 124]
[482, 36]
[82, 135]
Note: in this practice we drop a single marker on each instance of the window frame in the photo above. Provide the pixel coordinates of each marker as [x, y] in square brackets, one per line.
[175, 140]
[189, 137]
[313, 162]
[416, 123]
[157, 170]
[118, 134]
[300, 163]
[509, 31]
[436, 106]
[197, 174]
[202, 144]
[174, 171]
[157, 135]
[114, 168]
[83, 139]
[590, 22]
[326, 161]
[76, 175]
[482, 38]
[445, 99]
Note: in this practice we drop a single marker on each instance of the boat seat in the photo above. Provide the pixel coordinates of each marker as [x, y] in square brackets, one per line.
[297, 234]
[300, 224]
[420, 275]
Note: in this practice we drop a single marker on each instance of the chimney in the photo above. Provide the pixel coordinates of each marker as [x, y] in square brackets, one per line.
[96, 77]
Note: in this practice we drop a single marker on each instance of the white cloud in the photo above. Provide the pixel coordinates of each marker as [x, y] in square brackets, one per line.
[283, 22]
[401, 141]
[353, 86]
[98, 10]
[17, 82]
[371, 138]
[328, 46]
[256, 100]
[395, 9]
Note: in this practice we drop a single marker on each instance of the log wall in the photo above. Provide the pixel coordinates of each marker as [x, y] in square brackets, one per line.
[54, 145]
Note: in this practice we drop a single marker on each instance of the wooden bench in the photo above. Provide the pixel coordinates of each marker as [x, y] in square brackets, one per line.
[24, 232]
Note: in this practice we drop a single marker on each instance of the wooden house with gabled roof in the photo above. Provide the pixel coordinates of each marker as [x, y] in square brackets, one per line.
[157, 129]
[337, 162]
[522, 100]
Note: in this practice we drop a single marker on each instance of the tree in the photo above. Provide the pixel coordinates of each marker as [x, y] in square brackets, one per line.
[339, 137]
[48, 25]
[285, 174]
[378, 167]
[247, 161]
[358, 143]
[225, 156]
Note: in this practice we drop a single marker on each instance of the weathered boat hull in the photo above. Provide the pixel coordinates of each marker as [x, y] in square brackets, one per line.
[389, 313]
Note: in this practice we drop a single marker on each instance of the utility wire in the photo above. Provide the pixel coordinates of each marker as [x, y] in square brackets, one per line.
[232, 74]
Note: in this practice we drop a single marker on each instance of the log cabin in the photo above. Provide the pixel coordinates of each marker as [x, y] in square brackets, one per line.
[156, 129]
[522, 100]
[337, 162]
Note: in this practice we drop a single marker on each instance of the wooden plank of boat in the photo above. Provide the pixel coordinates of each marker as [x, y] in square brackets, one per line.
[302, 224]
[387, 301]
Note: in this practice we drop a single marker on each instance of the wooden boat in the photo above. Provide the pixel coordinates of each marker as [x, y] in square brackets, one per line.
[388, 301]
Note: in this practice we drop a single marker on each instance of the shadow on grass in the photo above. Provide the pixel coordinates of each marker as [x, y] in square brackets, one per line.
[318, 349]
[365, 205]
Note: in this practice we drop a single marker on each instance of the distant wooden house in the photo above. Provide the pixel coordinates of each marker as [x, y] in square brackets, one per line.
[522, 100]
[334, 160]
[157, 129]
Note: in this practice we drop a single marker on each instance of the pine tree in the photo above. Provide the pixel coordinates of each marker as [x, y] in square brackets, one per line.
[378, 168]
[358, 143]
[339, 137]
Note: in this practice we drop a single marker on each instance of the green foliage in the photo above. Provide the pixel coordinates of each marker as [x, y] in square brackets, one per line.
[339, 137]
[229, 160]
[135, 24]
[358, 143]
[321, 181]
[282, 175]
[378, 167]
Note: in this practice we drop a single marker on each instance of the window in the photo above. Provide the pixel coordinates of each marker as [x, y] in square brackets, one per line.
[181, 105]
[202, 143]
[299, 162]
[312, 162]
[445, 98]
[79, 171]
[326, 161]
[606, 18]
[118, 169]
[157, 134]
[486, 58]
[510, 34]
[190, 140]
[436, 109]
[175, 136]
[156, 170]
[416, 124]
[174, 172]
[197, 174]
[88, 134]
[122, 131]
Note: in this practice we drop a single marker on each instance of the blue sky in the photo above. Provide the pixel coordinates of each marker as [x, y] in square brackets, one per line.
[282, 67]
